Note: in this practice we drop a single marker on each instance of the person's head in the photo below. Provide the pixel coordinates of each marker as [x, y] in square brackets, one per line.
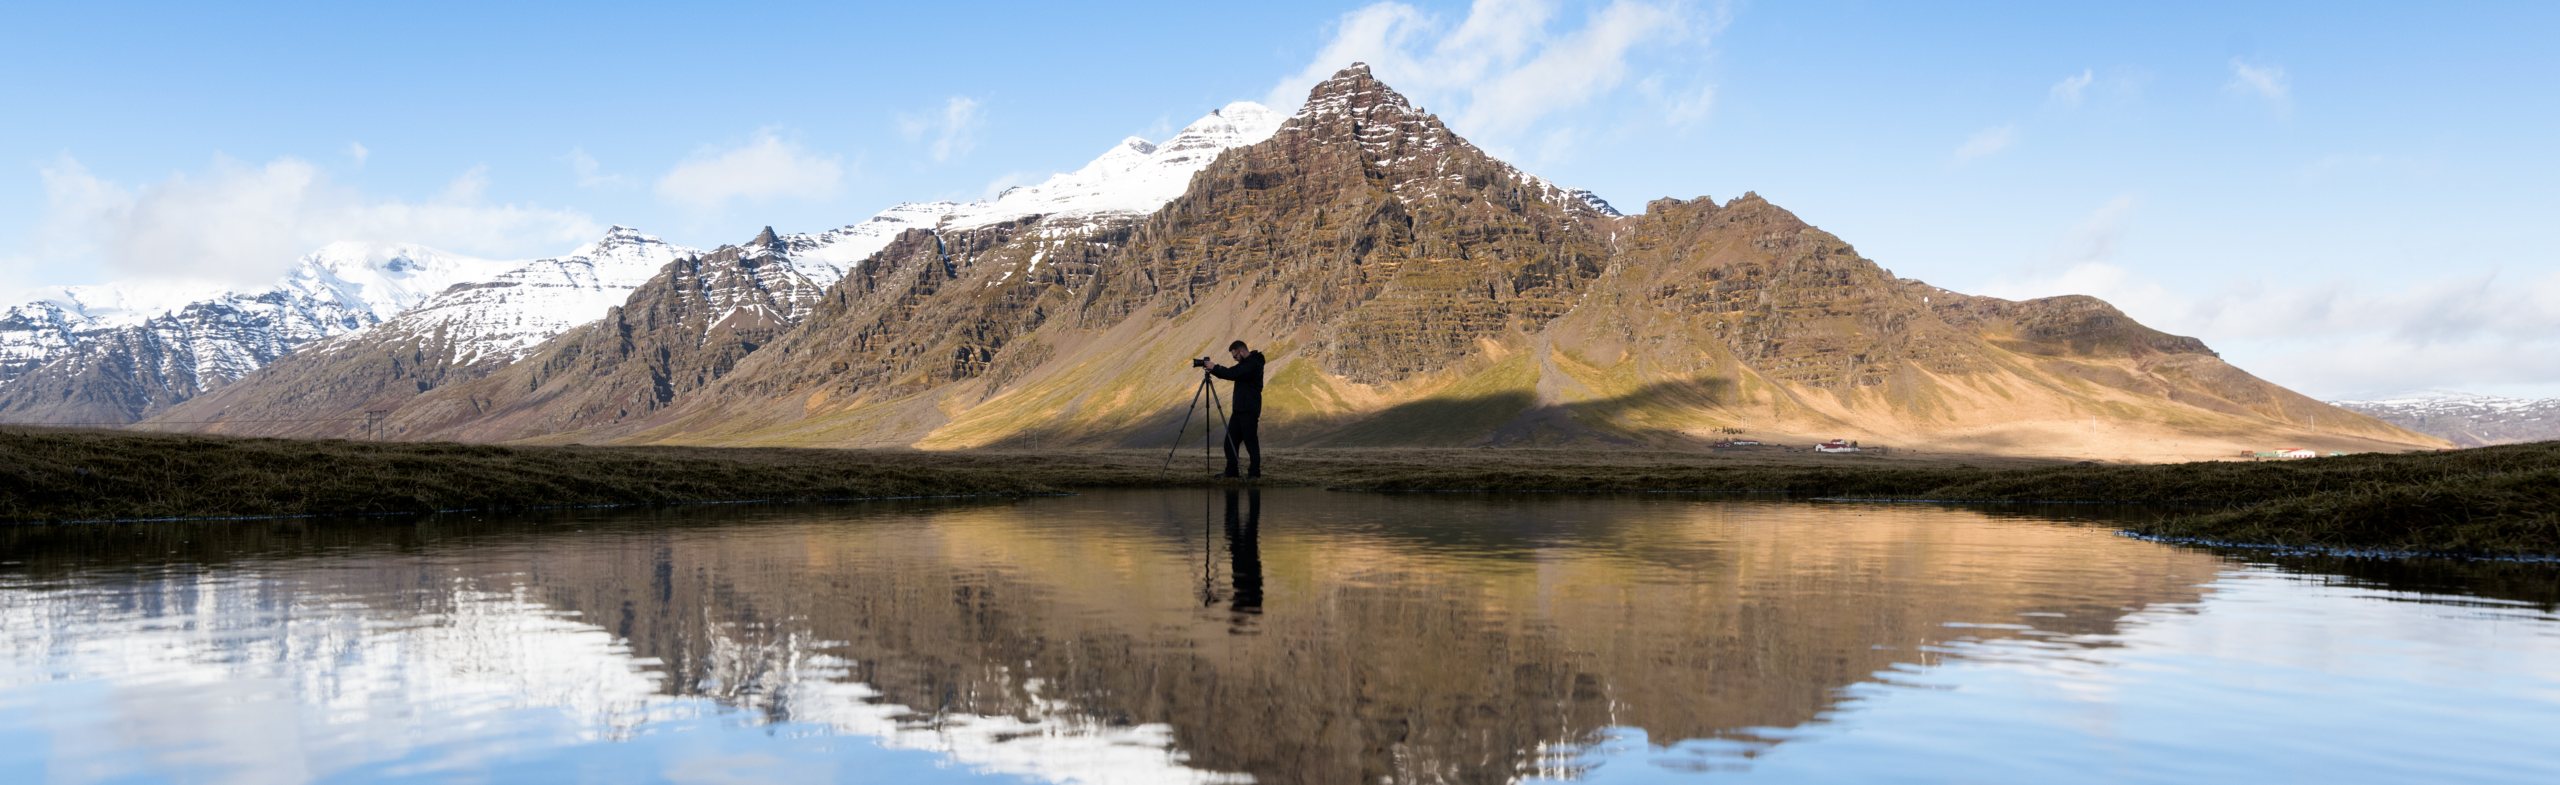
[1237, 350]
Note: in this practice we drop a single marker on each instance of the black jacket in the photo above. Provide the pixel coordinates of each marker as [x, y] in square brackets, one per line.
[1247, 374]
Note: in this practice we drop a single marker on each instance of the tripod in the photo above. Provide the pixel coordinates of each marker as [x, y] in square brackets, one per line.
[1217, 415]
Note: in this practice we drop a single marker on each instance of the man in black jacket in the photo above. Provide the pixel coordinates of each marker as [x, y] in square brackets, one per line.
[1245, 419]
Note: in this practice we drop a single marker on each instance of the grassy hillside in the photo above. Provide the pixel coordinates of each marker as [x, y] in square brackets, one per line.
[2498, 500]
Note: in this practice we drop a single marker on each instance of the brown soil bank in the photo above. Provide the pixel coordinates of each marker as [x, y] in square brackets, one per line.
[2492, 501]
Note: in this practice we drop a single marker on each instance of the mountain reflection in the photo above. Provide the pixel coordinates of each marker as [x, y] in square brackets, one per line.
[1158, 636]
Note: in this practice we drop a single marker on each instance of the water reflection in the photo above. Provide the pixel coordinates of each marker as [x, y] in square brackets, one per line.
[1244, 551]
[1109, 637]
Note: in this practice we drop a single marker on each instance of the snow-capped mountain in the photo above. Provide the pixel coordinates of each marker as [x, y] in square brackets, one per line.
[506, 315]
[1132, 178]
[2466, 419]
[103, 362]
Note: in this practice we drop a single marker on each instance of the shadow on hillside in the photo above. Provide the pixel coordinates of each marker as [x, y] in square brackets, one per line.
[1504, 419]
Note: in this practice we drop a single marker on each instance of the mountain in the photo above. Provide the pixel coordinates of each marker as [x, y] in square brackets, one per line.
[1411, 289]
[466, 332]
[2468, 420]
[679, 332]
[105, 363]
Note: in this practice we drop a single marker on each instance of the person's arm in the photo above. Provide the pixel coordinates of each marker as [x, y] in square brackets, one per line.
[1224, 372]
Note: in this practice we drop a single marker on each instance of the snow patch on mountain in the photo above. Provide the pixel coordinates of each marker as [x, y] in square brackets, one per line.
[1134, 177]
[825, 257]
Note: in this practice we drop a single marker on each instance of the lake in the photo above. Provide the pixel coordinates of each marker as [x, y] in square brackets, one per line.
[1285, 635]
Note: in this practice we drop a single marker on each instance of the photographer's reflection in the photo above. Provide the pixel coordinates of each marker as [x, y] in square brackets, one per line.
[1244, 545]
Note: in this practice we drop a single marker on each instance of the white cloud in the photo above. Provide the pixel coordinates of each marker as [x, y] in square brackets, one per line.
[590, 173]
[1513, 66]
[2332, 339]
[2264, 81]
[764, 168]
[2344, 339]
[2071, 89]
[357, 151]
[244, 224]
[1690, 110]
[2096, 237]
[1986, 142]
[949, 133]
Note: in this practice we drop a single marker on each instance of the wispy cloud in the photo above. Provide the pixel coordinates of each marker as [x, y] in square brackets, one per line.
[766, 167]
[2338, 338]
[1986, 142]
[1511, 68]
[244, 223]
[1680, 110]
[2072, 89]
[357, 151]
[2096, 236]
[948, 133]
[2342, 338]
[590, 173]
[2264, 81]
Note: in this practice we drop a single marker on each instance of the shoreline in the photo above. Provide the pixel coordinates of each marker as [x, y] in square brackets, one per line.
[2488, 502]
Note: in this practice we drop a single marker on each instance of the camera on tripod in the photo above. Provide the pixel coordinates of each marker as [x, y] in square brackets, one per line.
[1199, 362]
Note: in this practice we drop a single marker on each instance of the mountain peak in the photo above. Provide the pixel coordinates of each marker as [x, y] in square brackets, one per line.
[766, 239]
[1353, 91]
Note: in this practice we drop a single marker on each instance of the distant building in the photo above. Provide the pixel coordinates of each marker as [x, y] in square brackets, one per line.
[2286, 454]
[1836, 445]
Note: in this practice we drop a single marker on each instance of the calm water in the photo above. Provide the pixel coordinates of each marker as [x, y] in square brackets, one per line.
[1290, 636]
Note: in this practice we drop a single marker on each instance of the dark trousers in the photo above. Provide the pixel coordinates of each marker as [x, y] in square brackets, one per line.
[1245, 429]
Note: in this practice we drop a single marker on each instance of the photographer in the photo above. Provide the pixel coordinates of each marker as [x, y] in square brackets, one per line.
[1243, 423]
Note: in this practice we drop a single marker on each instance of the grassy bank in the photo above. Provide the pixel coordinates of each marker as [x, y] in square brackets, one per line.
[2502, 500]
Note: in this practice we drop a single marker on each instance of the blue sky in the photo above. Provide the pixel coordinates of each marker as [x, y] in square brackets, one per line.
[2349, 199]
